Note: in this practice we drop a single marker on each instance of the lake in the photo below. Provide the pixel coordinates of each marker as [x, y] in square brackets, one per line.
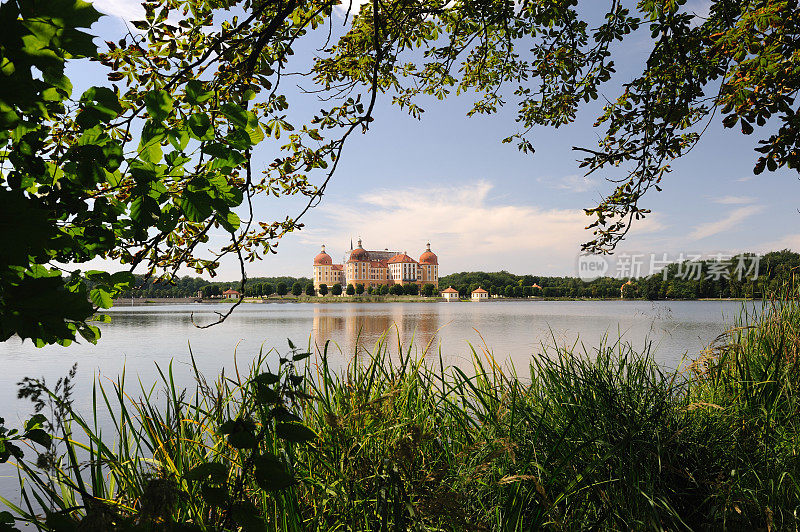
[139, 337]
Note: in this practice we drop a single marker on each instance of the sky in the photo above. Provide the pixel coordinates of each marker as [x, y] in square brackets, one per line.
[483, 205]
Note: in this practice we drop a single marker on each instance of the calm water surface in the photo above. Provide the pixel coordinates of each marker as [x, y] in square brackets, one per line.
[140, 337]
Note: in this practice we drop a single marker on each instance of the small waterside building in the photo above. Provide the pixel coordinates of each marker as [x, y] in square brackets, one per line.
[451, 294]
[479, 294]
[231, 294]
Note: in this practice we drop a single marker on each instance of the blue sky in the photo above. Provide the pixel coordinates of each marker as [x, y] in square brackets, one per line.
[483, 205]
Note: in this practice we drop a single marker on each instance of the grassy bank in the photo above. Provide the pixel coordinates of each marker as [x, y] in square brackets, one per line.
[597, 439]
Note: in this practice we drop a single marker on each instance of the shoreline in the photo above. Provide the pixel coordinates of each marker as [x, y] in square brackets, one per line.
[135, 302]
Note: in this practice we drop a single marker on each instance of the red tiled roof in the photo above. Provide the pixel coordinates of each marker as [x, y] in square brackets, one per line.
[358, 255]
[337, 267]
[429, 257]
[479, 290]
[378, 264]
[450, 290]
[323, 259]
[226, 292]
[401, 257]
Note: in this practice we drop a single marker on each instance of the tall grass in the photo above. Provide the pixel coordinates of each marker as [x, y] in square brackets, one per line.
[599, 439]
[748, 380]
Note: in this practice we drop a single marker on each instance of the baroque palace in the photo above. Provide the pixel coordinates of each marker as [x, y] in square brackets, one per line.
[376, 268]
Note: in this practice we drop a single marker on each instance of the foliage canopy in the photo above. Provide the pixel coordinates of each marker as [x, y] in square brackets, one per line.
[143, 169]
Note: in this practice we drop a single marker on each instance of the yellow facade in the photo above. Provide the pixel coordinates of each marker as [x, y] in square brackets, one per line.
[326, 272]
[327, 275]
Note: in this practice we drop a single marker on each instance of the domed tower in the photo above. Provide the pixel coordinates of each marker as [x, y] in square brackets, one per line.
[359, 254]
[323, 265]
[322, 258]
[357, 266]
[429, 264]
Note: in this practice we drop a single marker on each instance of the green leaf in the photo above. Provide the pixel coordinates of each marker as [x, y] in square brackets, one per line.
[240, 433]
[214, 471]
[242, 440]
[200, 127]
[196, 92]
[159, 104]
[99, 105]
[113, 178]
[176, 160]
[300, 356]
[179, 138]
[294, 432]
[152, 131]
[266, 395]
[196, 206]
[89, 332]
[239, 139]
[98, 276]
[7, 450]
[122, 279]
[280, 413]
[215, 496]
[267, 378]
[151, 153]
[144, 210]
[256, 135]
[246, 515]
[39, 436]
[235, 114]
[6, 521]
[101, 297]
[271, 473]
[218, 151]
[230, 221]
[8, 117]
[36, 421]
[60, 522]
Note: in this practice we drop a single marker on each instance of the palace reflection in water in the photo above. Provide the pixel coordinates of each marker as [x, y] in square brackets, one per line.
[359, 326]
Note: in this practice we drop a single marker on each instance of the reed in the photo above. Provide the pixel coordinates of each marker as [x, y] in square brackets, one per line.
[600, 438]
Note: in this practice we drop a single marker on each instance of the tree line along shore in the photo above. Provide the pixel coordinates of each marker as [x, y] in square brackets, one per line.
[775, 268]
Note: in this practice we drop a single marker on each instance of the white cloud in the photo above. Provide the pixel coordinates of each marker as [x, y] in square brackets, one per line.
[350, 5]
[734, 200]
[464, 226]
[791, 241]
[571, 183]
[733, 219]
[125, 9]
